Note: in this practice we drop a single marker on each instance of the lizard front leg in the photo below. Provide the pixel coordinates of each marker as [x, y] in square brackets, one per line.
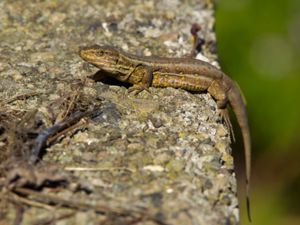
[141, 78]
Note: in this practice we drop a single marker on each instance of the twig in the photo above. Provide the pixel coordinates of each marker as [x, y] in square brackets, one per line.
[97, 169]
[20, 97]
[47, 133]
[136, 214]
[71, 104]
[16, 198]
[54, 200]
[73, 127]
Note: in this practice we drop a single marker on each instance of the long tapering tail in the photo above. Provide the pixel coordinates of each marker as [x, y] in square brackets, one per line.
[239, 109]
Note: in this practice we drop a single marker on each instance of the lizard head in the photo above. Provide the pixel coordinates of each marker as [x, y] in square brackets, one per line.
[103, 57]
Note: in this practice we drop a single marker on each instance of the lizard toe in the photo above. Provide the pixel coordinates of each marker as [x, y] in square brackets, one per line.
[225, 116]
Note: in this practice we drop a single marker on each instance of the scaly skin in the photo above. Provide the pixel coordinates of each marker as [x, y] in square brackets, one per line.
[189, 74]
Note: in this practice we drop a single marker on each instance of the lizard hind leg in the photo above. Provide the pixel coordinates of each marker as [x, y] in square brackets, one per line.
[225, 116]
[218, 92]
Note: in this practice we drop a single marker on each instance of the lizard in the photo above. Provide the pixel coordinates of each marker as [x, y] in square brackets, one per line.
[186, 73]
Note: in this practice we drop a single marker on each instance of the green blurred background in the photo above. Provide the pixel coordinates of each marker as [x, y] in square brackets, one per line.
[259, 47]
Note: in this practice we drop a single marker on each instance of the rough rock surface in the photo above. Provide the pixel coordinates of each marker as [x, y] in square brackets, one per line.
[166, 151]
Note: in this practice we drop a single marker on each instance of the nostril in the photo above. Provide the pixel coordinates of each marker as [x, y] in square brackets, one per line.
[82, 53]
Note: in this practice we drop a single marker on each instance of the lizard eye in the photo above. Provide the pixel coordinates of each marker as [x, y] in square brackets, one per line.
[100, 53]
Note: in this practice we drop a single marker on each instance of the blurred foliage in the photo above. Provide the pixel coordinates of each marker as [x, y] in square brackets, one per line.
[244, 35]
[259, 47]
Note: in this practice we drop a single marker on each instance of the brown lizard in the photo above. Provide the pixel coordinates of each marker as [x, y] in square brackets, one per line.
[186, 73]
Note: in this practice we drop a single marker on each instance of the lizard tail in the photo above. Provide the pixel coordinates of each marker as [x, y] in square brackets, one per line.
[239, 109]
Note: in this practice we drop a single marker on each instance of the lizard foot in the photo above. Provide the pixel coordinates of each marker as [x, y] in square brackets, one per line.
[138, 88]
[225, 116]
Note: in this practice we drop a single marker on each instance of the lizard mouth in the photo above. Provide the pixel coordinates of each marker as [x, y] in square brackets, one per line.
[86, 54]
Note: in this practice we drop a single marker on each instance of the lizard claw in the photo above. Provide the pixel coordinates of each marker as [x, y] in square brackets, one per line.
[225, 116]
[138, 88]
